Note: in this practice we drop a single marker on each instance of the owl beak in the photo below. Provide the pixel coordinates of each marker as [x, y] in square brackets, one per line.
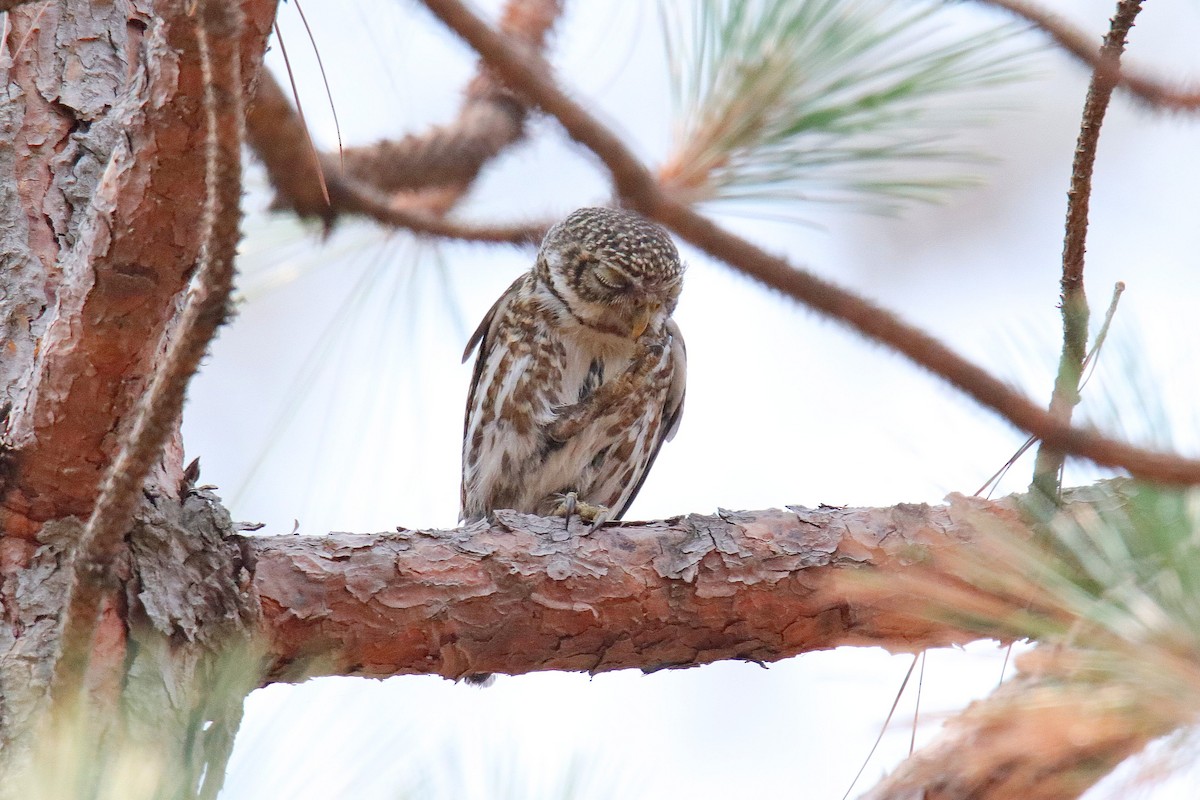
[642, 321]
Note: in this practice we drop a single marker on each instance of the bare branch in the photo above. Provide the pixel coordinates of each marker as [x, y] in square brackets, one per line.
[1153, 91]
[1048, 465]
[637, 189]
[277, 136]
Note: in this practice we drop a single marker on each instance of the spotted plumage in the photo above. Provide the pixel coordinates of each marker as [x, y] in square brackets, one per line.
[580, 373]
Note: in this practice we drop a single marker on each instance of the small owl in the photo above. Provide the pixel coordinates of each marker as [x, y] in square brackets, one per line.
[580, 373]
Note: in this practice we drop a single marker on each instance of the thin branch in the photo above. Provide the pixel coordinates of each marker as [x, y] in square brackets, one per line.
[491, 120]
[1153, 91]
[206, 308]
[412, 182]
[1048, 465]
[278, 138]
[636, 188]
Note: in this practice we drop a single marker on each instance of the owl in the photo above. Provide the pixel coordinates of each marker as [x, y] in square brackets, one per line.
[580, 373]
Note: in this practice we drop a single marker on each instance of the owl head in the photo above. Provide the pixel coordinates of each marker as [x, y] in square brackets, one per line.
[612, 270]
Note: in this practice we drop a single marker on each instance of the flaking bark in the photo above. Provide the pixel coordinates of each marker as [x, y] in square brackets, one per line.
[179, 639]
[524, 594]
[105, 124]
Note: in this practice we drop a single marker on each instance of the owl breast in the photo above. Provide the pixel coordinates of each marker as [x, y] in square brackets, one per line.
[541, 475]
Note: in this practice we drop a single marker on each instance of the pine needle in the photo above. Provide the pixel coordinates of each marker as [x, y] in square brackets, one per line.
[837, 101]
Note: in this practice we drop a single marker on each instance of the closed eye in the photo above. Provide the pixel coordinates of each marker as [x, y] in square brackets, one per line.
[612, 278]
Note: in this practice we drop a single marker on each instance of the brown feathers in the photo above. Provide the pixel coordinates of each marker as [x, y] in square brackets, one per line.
[580, 373]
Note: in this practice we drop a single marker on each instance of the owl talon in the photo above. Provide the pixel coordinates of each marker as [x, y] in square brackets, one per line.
[571, 506]
[567, 507]
[604, 516]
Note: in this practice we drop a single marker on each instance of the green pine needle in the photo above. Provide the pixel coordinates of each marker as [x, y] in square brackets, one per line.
[856, 101]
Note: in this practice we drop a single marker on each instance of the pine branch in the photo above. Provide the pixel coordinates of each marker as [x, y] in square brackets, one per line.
[1047, 736]
[526, 594]
[1108, 589]
[803, 101]
[412, 182]
[1075, 314]
[277, 136]
[491, 120]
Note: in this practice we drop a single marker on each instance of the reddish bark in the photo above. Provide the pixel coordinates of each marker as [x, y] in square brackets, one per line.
[106, 154]
[524, 596]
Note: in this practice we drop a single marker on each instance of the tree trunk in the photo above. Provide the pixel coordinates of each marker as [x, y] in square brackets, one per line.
[102, 158]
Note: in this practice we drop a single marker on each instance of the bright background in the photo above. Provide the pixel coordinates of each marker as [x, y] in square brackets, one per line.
[334, 402]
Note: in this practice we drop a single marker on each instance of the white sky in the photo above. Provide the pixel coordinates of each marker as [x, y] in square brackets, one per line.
[343, 384]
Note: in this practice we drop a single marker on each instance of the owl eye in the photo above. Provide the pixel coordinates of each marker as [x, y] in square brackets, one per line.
[611, 278]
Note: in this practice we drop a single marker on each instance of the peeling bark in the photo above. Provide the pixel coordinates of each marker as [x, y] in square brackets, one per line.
[525, 595]
[178, 643]
[102, 170]
[107, 140]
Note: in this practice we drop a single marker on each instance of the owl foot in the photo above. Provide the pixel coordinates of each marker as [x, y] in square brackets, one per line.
[571, 505]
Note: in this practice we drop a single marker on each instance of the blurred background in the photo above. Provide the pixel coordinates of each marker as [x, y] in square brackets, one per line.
[334, 400]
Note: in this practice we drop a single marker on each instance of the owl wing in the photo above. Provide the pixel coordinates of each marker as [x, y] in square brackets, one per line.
[484, 339]
[672, 409]
[481, 338]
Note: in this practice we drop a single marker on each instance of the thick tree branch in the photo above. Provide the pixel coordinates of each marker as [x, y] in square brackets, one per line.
[523, 595]
[636, 188]
[1153, 91]
[1074, 305]
[217, 30]
[133, 136]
